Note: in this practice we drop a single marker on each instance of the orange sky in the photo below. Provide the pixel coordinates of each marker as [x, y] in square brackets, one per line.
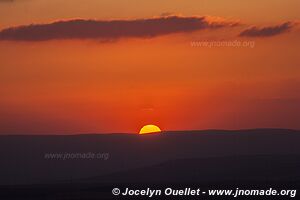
[21, 12]
[64, 86]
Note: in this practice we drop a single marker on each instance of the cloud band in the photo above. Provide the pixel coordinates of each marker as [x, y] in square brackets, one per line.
[110, 30]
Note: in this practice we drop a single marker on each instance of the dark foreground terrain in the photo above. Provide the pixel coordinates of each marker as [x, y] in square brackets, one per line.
[198, 159]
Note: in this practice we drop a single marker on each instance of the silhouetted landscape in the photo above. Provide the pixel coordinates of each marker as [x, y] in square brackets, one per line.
[205, 158]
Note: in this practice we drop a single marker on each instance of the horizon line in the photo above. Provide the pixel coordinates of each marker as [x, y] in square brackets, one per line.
[162, 132]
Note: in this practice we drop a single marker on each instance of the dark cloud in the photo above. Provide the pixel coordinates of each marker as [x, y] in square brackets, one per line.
[111, 30]
[267, 31]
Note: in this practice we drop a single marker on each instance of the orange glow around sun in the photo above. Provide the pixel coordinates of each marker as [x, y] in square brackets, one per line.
[150, 129]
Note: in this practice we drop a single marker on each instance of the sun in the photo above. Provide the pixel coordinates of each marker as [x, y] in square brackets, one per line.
[150, 129]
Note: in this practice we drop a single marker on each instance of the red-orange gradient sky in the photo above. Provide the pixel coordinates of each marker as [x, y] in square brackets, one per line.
[113, 66]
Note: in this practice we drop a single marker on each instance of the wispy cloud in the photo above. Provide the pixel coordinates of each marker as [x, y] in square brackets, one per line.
[267, 31]
[112, 29]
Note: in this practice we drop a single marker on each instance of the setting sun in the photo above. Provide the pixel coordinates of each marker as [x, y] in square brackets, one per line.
[150, 129]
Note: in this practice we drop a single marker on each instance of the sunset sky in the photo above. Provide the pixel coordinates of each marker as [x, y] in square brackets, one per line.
[99, 66]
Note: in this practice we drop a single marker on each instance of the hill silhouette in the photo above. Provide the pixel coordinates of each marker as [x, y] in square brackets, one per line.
[23, 157]
[211, 158]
